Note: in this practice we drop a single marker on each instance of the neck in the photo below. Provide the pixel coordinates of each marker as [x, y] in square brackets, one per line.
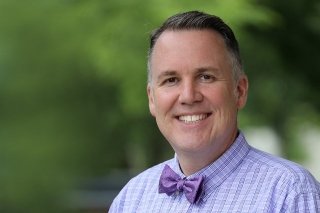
[191, 162]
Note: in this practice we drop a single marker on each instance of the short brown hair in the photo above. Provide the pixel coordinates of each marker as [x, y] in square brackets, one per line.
[195, 20]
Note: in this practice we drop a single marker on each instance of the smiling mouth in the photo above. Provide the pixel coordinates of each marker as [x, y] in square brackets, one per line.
[193, 118]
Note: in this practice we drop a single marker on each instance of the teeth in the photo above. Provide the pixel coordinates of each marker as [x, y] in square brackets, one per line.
[192, 118]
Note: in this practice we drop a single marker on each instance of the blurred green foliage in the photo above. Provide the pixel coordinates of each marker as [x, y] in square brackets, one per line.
[284, 71]
[73, 102]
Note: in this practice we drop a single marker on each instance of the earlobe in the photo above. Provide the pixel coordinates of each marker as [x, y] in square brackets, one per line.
[242, 91]
[151, 100]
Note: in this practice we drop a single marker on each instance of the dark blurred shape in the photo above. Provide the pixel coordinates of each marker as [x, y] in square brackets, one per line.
[96, 195]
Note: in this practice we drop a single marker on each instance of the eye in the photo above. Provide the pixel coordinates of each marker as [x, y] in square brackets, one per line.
[207, 78]
[171, 81]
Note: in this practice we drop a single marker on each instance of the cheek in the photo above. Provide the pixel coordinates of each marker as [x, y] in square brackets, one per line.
[164, 101]
[221, 96]
[160, 100]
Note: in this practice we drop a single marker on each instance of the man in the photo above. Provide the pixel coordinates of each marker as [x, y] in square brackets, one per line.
[196, 86]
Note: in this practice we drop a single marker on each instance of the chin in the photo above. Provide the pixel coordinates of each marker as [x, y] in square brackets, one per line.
[189, 146]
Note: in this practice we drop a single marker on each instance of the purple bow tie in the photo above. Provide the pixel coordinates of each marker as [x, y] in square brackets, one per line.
[170, 182]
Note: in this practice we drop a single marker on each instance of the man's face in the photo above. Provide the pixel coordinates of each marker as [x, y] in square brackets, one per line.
[192, 93]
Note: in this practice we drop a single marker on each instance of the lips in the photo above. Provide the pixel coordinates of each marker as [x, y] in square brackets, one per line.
[193, 118]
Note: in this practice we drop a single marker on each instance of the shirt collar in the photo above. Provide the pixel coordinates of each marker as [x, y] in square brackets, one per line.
[218, 171]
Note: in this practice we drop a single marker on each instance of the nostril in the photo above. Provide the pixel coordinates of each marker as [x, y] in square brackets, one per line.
[190, 97]
[189, 92]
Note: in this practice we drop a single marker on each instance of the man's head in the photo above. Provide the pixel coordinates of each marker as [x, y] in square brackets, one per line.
[200, 21]
[193, 90]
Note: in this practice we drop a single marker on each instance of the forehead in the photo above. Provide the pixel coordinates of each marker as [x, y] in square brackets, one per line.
[186, 48]
[202, 35]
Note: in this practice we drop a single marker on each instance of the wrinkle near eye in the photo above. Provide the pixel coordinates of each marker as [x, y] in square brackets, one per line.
[170, 81]
[164, 76]
[206, 77]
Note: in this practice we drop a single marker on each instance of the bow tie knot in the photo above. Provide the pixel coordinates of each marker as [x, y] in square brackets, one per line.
[170, 182]
[180, 184]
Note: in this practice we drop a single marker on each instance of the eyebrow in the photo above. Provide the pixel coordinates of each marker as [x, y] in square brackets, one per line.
[199, 70]
[206, 69]
[166, 74]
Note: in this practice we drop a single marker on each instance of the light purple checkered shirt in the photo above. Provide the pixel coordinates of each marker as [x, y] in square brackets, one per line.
[243, 179]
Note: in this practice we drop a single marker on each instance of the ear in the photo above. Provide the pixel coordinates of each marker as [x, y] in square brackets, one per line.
[151, 99]
[242, 91]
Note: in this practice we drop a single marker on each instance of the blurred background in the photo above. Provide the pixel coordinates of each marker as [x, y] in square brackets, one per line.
[74, 119]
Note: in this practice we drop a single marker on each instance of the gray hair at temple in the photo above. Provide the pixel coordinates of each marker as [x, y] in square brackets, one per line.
[195, 20]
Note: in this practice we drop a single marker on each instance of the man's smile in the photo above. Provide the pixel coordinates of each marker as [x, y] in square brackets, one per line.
[193, 117]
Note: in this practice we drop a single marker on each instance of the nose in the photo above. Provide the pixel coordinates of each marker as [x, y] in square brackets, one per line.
[189, 93]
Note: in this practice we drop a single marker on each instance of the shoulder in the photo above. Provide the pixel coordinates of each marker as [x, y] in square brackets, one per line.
[283, 171]
[142, 185]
